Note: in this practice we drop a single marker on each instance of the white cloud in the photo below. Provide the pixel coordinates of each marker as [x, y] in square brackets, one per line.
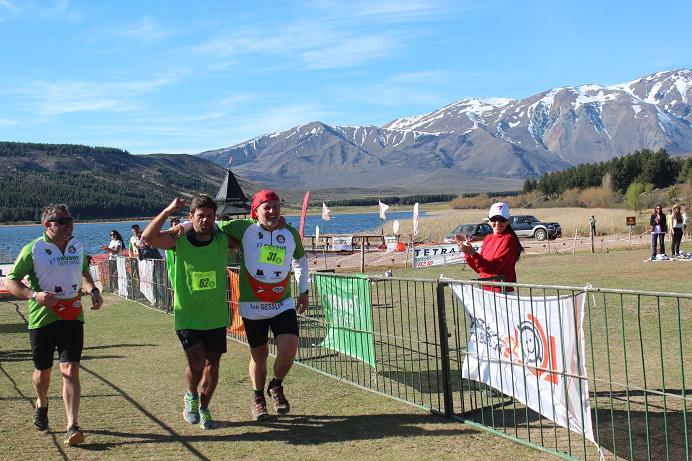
[146, 29]
[10, 9]
[8, 122]
[315, 45]
[54, 98]
[349, 52]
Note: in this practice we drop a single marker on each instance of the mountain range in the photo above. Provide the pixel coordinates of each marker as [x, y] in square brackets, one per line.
[482, 144]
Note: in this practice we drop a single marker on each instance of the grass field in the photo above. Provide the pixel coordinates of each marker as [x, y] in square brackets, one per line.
[132, 390]
[638, 355]
[132, 380]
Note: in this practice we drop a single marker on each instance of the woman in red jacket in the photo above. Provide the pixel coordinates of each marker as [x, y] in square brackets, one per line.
[500, 251]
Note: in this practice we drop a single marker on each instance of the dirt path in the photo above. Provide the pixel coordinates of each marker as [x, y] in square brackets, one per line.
[380, 259]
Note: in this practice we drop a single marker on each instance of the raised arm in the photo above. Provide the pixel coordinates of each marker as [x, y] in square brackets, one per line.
[152, 233]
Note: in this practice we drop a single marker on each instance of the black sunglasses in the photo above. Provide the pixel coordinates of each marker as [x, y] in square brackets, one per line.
[62, 220]
[497, 219]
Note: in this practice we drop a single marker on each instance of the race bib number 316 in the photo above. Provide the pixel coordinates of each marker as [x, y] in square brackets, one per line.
[203, 280]
[270, 254]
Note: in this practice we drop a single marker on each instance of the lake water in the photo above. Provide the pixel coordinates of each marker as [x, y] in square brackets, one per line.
[93, 235]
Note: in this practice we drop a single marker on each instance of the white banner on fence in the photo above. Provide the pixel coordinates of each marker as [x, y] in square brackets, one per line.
[146, 279]
[122, 275]
[439, 254]
[531, 348]
[343, 243]
[390, 242]
[95, 276]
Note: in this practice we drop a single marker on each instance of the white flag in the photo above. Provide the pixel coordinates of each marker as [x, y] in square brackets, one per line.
[395, 227]
[383, 210]
[325, 212]
[317, 233]
[531, 348]
[415, 219]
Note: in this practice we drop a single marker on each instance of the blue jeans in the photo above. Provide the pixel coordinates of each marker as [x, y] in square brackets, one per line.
[660, 238]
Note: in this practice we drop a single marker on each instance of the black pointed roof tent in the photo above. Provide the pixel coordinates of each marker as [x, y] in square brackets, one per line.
[230, 198]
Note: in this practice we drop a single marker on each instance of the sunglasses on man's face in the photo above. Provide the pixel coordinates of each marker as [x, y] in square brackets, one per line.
[498, 219]
[62, 220]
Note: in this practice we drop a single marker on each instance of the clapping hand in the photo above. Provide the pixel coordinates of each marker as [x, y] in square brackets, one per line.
[464, 243]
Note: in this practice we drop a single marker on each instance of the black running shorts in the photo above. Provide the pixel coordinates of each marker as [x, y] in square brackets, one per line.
[65, 335]
[214, 340]
[257, 331]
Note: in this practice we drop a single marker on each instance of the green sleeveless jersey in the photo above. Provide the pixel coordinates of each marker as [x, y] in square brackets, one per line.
[199, 281]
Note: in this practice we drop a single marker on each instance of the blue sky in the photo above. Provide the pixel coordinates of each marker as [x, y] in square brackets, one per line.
[184, 77]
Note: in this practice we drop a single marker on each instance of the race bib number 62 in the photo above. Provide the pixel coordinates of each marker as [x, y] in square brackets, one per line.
[203, 280]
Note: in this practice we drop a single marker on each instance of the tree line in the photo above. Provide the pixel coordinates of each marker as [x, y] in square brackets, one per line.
[392, 200]
[646, 167]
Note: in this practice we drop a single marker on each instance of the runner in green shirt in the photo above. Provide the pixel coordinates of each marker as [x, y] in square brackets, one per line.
[57, 271]
[199, 300]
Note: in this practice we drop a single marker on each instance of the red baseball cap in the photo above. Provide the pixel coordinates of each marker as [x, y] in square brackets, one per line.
[259, 198]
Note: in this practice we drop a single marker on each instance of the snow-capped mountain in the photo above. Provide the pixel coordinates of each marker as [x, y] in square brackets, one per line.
[477, 138]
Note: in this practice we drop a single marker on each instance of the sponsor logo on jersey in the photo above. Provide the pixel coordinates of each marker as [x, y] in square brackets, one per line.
[259, 273]
[278, 289]
[71, 249]
[260, 235]
[48, 251]
[280, 238]
[277, 273]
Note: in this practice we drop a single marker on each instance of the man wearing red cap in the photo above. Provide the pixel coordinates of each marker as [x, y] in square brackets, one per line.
[270, 250]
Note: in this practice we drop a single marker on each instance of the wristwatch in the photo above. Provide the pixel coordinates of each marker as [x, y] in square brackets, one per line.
[33, 295]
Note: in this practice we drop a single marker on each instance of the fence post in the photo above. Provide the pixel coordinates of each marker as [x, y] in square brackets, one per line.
[444, 351]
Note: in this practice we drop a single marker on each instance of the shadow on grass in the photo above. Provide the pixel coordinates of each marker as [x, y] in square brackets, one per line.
[301, 430]
[13, 328]
[19, 355]
[624, 425]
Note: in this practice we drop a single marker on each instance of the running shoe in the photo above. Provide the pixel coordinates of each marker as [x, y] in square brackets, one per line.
[281, 404]
[75, 436]
[41, 418]
[259, 409]
[205, 421]
[191, 412]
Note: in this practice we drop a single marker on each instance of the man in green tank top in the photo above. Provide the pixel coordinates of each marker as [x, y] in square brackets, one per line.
[199, 303]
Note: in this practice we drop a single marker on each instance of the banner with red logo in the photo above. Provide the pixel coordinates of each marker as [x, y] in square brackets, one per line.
[531, 349]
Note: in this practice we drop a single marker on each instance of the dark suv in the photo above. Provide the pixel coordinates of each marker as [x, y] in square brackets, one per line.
[530, 226]
[476, 231]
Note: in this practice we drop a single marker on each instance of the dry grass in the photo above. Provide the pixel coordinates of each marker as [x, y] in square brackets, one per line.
[436, 224]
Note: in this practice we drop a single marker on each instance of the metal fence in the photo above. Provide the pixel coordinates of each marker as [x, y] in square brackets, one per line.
[636, 355]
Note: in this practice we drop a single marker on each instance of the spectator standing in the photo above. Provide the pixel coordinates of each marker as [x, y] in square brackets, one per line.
[115, 246]
[57, 269]
[500, 251]
[135, 242]
[658, 231]
[676, 230]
